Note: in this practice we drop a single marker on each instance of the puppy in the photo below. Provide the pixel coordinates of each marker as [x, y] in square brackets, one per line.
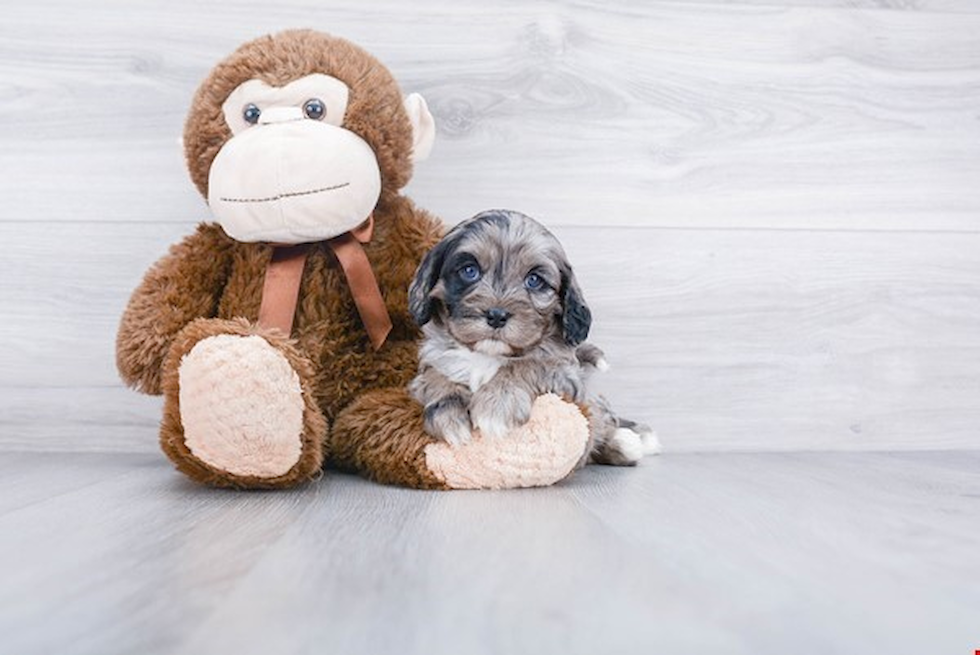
[504, 321]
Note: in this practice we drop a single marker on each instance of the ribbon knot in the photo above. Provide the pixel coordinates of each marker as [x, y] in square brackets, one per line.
[280, 290]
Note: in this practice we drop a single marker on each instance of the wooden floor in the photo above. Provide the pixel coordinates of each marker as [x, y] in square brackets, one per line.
[727, 553]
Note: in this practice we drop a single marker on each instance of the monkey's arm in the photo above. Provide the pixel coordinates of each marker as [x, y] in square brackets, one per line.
[381, 436]
[183, 285]
[408, 233]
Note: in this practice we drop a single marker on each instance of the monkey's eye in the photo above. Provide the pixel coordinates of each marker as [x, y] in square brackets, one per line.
[315, 109]
[469, 273]
[251, 113]
[533, 281]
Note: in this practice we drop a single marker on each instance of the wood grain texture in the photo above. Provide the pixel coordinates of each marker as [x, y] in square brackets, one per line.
[773, 204]
[773, 208]
[955, 6]
[733, 553]
[655, 113]
[730, 340]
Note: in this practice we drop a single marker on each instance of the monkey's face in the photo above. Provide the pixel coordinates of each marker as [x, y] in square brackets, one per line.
[291, 172]
[294, 138]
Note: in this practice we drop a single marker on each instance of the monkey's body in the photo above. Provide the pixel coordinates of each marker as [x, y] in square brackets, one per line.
[211, 282]
[249, 406]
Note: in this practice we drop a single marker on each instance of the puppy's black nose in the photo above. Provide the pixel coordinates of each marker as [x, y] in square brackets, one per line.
[497, 317]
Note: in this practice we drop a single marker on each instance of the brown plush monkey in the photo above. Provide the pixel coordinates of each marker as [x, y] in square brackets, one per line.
[280, 337]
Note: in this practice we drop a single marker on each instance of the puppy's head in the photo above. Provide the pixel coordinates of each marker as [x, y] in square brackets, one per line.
[500, 283]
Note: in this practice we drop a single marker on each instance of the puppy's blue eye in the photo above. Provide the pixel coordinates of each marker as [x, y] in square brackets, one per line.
[533, 281]
[469, 273]
[314, 108]
[251, 114]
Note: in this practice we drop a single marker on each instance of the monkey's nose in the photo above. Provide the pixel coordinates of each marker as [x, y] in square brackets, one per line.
[271, 115]
[497, 317]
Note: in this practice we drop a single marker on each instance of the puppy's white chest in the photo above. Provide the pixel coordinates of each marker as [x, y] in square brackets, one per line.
[468, 367]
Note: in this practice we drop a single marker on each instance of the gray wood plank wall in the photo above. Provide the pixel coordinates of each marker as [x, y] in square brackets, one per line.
[774, 206]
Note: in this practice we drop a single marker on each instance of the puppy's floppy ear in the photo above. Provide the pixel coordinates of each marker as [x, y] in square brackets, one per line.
[576, 319]
[420, 303]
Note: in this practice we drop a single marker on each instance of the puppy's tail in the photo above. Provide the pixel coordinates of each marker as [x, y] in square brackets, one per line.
[591, 358]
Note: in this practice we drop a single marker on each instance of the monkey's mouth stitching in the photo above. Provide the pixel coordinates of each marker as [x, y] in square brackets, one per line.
[288, 195]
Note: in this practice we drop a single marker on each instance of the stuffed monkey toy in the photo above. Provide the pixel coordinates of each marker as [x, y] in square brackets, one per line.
[280, 336]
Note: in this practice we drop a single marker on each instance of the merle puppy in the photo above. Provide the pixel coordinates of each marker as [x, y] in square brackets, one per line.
[504, 321]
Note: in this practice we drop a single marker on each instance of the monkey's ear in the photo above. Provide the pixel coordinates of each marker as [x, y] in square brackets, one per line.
[576, 318]
[423, 126]
[420, 301]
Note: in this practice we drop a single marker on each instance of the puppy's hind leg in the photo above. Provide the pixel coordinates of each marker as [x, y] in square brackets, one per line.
[616, 441]
[651, 444]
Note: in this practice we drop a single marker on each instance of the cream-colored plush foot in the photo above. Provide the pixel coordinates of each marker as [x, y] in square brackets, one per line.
[241, 406]
[539, 453]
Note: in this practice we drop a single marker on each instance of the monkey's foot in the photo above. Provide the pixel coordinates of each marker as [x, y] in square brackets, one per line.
[381, 436]
[237, 413]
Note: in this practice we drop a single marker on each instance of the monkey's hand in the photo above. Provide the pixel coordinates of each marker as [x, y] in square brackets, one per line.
[541, 452]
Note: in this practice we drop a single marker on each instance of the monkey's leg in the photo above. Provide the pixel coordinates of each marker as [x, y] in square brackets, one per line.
[380, 436]
[239, 409]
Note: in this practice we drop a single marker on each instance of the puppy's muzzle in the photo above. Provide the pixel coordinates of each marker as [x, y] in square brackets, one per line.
[497, 317]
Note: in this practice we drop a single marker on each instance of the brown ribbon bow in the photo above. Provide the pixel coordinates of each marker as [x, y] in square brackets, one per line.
[280, 291]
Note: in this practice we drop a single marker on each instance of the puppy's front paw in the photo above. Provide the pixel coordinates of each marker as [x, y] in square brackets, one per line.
[449, 420]
[496, 414]
[492, 426]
